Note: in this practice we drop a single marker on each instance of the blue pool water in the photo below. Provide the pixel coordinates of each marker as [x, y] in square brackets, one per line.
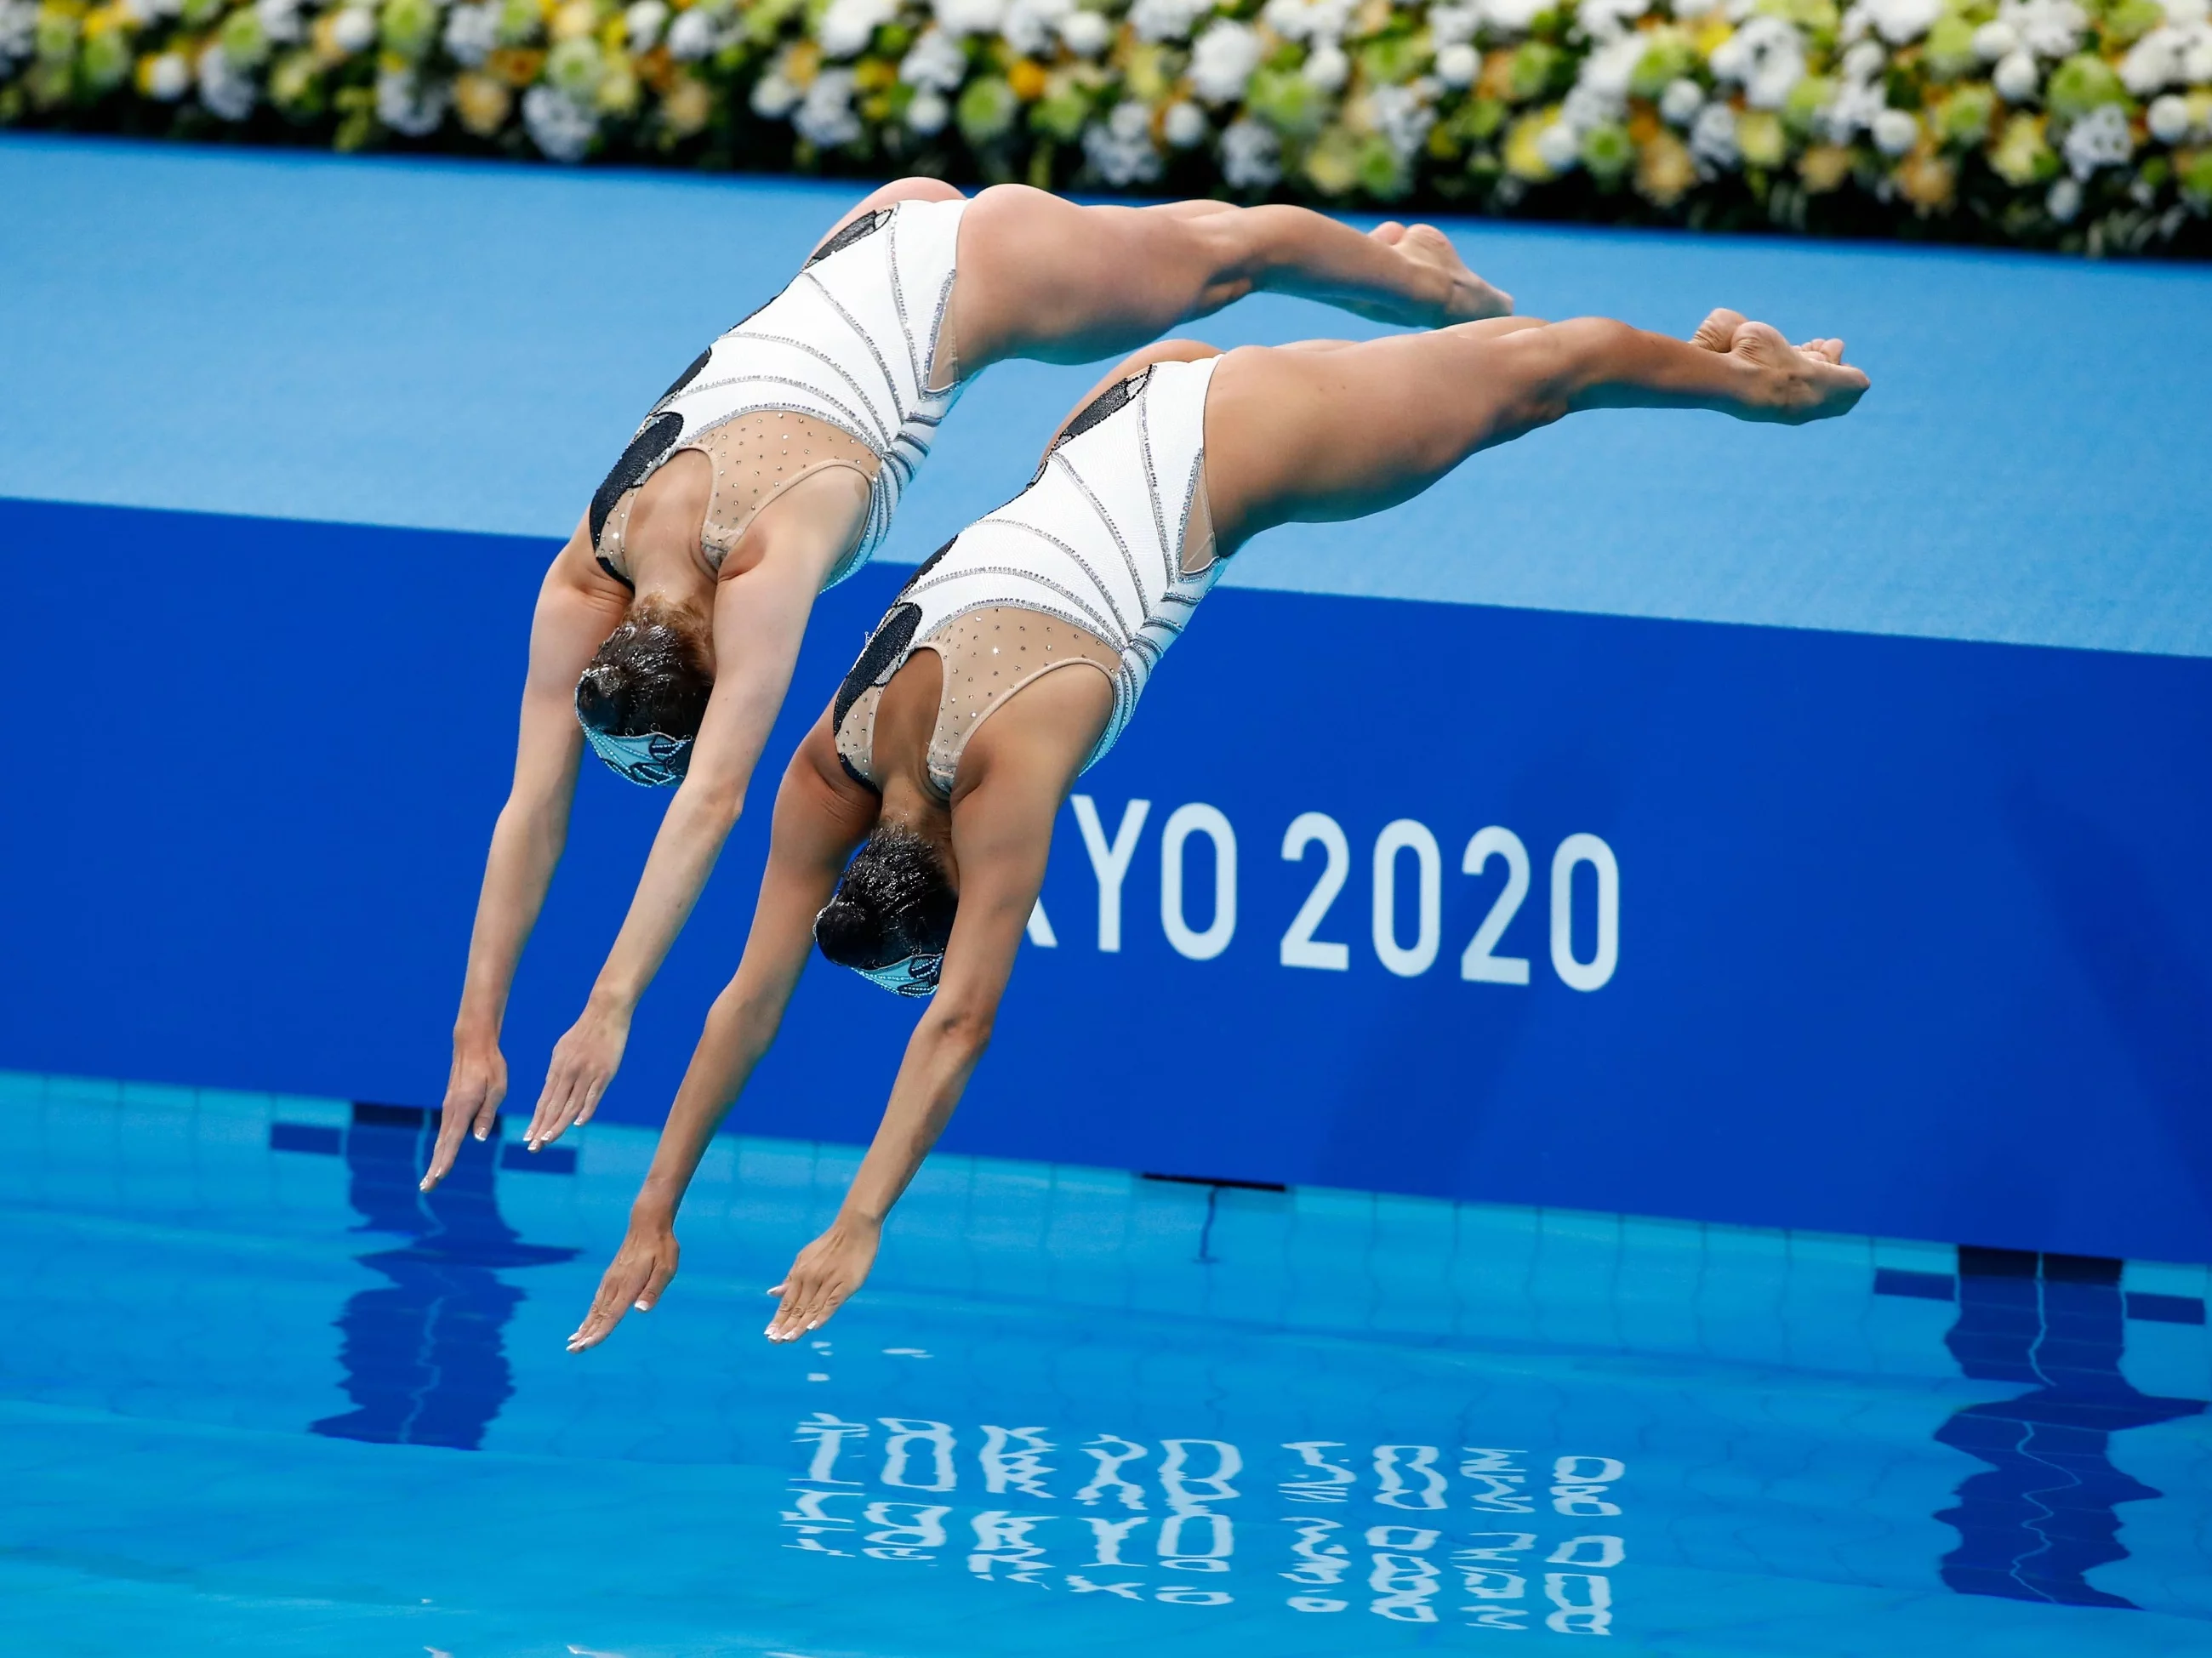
[257, 1395]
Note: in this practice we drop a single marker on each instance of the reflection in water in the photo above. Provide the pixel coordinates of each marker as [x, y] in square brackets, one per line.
[425, 1359]
[2043, 1517]
[1529, 1540]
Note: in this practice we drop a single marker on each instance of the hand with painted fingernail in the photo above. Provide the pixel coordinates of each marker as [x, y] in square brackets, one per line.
[584, 1062]
[640, 1270]
[474, 1088]
[826, 1273]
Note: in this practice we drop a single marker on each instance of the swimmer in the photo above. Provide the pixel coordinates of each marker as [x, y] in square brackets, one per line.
[667, 627]
[948, 749]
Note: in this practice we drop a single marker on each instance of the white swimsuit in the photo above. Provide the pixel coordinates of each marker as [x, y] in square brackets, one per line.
[856, 343]
[1106, 553]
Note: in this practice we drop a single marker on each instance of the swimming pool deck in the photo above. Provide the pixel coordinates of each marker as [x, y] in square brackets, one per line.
[453, 345]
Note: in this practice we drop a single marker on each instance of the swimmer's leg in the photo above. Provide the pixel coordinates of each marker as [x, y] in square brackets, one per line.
[1045, 278]
[1306, 435]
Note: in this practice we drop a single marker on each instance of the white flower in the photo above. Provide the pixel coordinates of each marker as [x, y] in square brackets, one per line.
[2182, 13]
[1586, 107]
[2049, 28]
[643, 22]
[2168, 118]
[1679, 103]
[1512, 16]
[1995, 40]
[470, 34]
[2167, 57]
[1864, 61]
[1900, 22]
[562, 130]
[407, 105]
[1029, 24]
[935, 62]
[1851, 110]
[2016, 77]
[1222, 61]
[1308, 19]
[169, 77]
[1167, 20]
[963, 17]
[1403, 115]
[1713, 136]
[1120, 149]
[354, 29]
[1896, 131]
[1607, 20]
[280, 20]
[1453, 24]
[226, 90]
[1183, 124]
[19, 29]
[1558, 146]
[2101, 138]
[847, 28]
[774, 96]
[928, 113]
[1607, 70]
[825, 117]
[1251, 155]
[694, 35]
[2065, 201]
[2197, 55]
[1085, 33]
[1766, 58]
[1327, 68]
[1458, 64]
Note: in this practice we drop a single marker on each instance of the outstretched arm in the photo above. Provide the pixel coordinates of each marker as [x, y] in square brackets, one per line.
[760, 617]
[1308, 435]
[576, 609]
[820, 817]
[1001, 832]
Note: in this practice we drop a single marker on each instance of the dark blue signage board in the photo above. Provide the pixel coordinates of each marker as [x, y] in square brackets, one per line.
[1871, 934]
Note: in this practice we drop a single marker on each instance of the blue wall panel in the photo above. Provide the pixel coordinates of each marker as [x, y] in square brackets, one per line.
[1915, 937]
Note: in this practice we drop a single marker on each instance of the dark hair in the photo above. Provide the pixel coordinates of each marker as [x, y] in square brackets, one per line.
[650, 676]
[894, 901]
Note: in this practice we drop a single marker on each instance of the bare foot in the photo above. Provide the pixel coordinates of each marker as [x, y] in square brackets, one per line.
[1467, 297]
[1791, 383]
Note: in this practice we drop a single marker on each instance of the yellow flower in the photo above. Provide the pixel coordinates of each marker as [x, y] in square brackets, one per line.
[516, 65]
[1712, 33]
[688, 106]
[1759, 136]
[1144, 76]
[482, 103]
[618, 89]
[1524, 159]
[1664, 171]
[1824, 167]
[800, 63]
[1928, 181]
[2020, 155]
[578, 17]
[1495, 79]
[1333, 164]
[1027, 77]
[875, 74]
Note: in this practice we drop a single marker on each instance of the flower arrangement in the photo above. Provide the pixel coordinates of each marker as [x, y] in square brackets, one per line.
[2082, 124]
